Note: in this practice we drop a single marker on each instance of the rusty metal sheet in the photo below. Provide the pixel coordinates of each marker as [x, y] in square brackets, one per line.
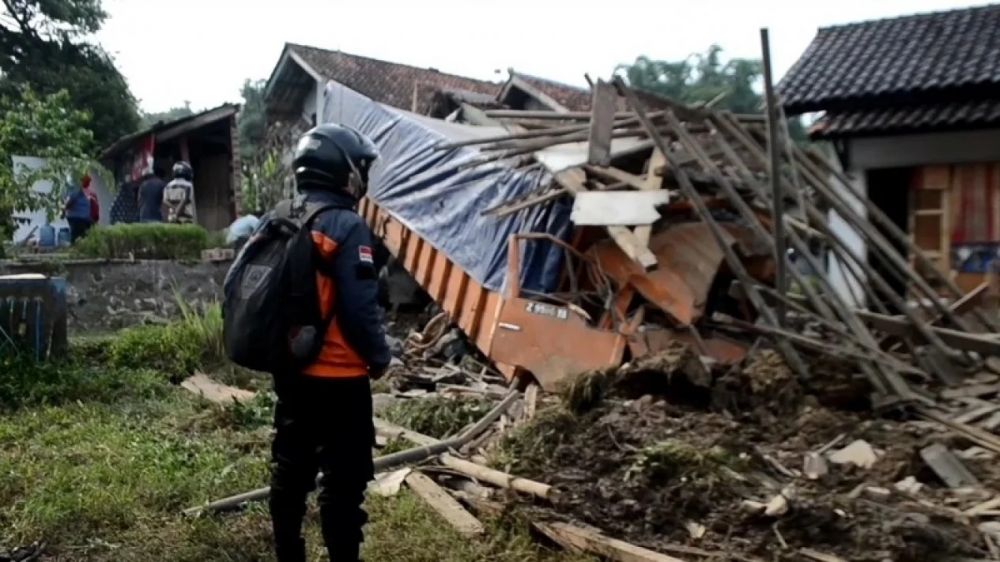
[552, 342]
[723, 350]
[688, 260]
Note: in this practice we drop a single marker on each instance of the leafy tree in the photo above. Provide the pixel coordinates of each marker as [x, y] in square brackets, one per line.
[47, 127]
[700, 78]
[44, 45]
[705, 78]
[150, 119]
[253, 118]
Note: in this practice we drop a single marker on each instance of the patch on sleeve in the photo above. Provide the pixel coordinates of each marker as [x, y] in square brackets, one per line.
[366, 255]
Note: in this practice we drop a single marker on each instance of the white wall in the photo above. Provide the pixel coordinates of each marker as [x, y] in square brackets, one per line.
[919, 150]
[38, 217]
[841, 277]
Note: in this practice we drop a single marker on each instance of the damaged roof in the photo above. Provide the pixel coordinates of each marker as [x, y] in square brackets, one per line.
[938, 56]
[395, 84]
[570, 97]
[166, 130]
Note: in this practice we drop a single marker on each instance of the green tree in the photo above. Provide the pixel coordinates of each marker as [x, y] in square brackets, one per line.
[44, 44]
[252, 118]
[149, 119]
[700, 78]
[49, 128]
[704, 78]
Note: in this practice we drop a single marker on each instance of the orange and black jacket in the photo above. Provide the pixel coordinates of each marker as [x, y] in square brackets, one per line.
[347, 281]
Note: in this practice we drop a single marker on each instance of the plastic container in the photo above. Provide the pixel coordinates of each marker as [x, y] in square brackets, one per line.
[64, 236]
[46, 236]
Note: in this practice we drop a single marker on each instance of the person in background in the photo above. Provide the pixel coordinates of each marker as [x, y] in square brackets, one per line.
[77, 212]
[242, 228]
[125, 209]
[151, 197]
[95, 204]
[177, 196]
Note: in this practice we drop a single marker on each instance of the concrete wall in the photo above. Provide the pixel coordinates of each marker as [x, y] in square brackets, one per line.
[919, 150]
[107, 296]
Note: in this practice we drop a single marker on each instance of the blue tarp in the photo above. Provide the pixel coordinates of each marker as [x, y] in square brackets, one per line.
[424, 188]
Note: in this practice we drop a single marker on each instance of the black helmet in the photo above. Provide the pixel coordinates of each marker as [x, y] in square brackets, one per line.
[183, 170]
[336, 158]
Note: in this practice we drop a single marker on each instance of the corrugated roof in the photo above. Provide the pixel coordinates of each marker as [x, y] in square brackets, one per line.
[908, 119]
[942, 56]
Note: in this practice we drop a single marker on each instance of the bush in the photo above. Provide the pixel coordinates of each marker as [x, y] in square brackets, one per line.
[25, 382]
[144, 241]
[177, 349]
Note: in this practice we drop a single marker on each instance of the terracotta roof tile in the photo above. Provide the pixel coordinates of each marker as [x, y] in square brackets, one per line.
[388, 82]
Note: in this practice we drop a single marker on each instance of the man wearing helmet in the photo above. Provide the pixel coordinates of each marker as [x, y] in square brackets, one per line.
[177, 196]
[323, 418]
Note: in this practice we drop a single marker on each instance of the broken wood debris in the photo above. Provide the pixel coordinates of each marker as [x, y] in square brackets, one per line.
[579, 539]
[445, 505]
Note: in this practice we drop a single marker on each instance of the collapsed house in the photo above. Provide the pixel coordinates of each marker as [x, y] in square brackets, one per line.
[685, 252]
[562, 241]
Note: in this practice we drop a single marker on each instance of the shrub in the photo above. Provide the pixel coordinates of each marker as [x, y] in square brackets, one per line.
[144, 241]
[25, 382]
[176, 349]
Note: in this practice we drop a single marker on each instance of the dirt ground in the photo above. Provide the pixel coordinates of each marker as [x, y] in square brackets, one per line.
[654, 468]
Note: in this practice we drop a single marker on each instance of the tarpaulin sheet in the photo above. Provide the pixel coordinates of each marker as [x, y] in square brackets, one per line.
[425, 189]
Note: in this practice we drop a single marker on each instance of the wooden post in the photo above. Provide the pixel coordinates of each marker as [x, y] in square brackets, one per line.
[774, 174]
[601, 124]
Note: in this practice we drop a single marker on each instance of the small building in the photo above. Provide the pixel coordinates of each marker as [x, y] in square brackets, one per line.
[208, 140]
[911, 106]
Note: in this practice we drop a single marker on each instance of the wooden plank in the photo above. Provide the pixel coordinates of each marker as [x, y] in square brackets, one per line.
[572, 180]
[980, 343]
[212, 391]
[496, 477]
[946, 465]
[445, 505]
[617, 208]
[654, 181]
[974, 390]
[617, 175]
[581, 540]
[976, 413]
[602, 123]
[393, 431]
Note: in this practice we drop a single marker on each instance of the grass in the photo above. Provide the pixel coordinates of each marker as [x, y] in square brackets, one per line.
[438, 416]
[145, 241]
[107, 482]
[99, 453]
[177, 349]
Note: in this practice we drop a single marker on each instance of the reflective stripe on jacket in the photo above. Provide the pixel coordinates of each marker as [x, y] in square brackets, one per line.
[347, 282]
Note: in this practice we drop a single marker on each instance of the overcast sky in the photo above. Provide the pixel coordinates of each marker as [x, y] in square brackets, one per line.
[202, 50]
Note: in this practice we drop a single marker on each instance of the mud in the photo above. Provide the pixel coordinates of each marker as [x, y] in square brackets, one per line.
[643, 468]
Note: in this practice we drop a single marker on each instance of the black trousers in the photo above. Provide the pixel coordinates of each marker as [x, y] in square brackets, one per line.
[78, 228]
[321, 425]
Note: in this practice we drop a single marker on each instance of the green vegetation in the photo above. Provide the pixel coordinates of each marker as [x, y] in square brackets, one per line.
[437, 417]
[50, 46]
[145, 241]
[47, 127]
[98, 457]
[175, 350]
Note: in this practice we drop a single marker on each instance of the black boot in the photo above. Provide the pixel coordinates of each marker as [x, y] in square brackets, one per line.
[290, 550]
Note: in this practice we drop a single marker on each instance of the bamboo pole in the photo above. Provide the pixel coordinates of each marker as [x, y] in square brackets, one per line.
[497, 478]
